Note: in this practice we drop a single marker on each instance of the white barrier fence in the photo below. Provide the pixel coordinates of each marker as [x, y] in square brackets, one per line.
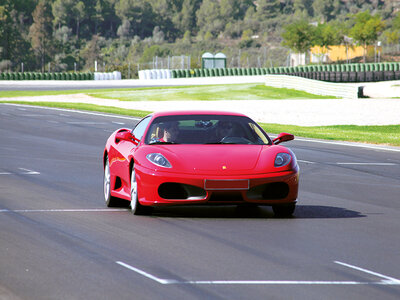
[155, 74]
[317, 87]
[107, 76]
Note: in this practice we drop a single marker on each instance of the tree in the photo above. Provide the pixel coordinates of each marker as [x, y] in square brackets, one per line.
[303, 6]
[233, 10]
[69, 13]
[185, 19]
[366, 29]
[298, 36]
[324, 36]
[79, 12]
[41, 31]
[268, 9]
[323, 9]
[92, 52]
[139, 13]
[208, 17]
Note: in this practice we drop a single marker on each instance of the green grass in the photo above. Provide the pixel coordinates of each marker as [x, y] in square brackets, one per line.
[207, 93]
[183, 93]
[86, 107]
[10, 94]
[387, 135]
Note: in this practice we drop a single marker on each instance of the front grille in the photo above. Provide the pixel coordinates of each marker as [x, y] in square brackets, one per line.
[269, 191]
[179, 191]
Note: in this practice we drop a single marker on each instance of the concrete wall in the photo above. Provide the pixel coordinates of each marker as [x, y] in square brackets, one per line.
[341, 90]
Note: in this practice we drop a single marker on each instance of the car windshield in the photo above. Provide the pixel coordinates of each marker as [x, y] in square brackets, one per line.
[205, 129]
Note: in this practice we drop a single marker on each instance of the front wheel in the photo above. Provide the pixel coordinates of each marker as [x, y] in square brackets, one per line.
[136, 207]
[284, 210]
[110, 200]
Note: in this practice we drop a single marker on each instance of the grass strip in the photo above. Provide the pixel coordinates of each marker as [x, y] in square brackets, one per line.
[385, 135]
[371, 134]
[207, 93]
[253, 91]
[86, 107]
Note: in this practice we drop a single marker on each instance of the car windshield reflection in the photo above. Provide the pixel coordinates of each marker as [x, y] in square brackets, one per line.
[205, 129]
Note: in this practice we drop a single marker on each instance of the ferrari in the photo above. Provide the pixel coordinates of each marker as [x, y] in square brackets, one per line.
[199, 158]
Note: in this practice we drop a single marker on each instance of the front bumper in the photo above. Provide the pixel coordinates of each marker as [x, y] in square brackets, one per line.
[161, 188]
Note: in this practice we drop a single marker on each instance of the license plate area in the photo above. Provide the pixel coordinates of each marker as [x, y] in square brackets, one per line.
[226, 184]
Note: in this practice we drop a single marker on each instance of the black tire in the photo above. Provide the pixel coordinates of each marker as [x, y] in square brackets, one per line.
[110, 201]
[136, 207]
[284, 210]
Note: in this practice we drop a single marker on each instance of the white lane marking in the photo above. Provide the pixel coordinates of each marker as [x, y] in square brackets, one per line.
[306, 161]
[24, 172]
[388, 281]
[86, 123]
[366, 164]
[353, 163]
[118, 123]
[33, 115]
[145, 274]
[74, 111]
[29, 172]
[61, 210]
[373, 147]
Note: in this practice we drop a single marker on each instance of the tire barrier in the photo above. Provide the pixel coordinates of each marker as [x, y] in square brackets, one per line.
[107, 76]
[46, 76]
[368, 72]
[158, 74]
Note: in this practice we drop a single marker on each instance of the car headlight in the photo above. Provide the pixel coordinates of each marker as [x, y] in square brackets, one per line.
[159, 160]
[282, 159]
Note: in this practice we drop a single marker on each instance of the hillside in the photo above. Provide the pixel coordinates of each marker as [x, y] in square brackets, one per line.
[66, 35]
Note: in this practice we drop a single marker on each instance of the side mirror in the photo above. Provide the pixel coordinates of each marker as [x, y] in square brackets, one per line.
[125, 135]
[283, 137]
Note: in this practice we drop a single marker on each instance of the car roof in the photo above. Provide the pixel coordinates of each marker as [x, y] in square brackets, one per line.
[195, 112]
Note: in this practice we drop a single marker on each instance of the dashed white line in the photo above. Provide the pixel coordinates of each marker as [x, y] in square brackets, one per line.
[29, 172]
[306, 161]
[388, 280]
[61, 210]
[349, 144]
[366, 164]
[21, 106]
[145, 274]
[86, 123]
[24, 172]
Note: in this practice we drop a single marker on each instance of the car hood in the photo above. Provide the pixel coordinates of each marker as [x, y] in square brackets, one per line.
[212, 159]
[223, 157]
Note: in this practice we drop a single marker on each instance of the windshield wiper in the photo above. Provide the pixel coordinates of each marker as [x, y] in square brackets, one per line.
[161, 143]
[220, 143]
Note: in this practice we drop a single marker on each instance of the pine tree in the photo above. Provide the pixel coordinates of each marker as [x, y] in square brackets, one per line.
[40, 32]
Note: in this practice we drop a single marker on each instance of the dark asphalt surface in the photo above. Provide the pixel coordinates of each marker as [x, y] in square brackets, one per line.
[59, 241]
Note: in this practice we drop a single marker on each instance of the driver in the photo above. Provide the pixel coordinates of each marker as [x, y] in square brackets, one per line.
[170, 132]
[224, 129]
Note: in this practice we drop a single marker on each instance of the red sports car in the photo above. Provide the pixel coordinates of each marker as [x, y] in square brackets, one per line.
[199, 157]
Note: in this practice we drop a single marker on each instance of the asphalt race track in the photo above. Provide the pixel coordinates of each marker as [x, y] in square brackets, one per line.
[58, 240]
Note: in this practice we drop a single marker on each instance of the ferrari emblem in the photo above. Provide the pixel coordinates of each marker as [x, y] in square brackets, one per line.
[223, 167]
